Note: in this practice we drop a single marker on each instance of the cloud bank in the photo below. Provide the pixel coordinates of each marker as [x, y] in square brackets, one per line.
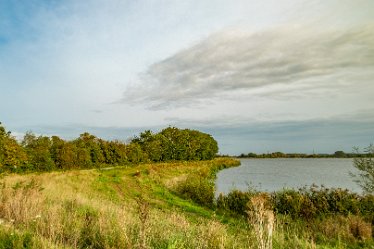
[294, 58]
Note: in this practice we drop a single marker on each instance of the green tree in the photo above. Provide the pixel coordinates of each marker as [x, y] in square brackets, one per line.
[340, 154]
[89, 151]
[365, 165]
[135, 153]
[177, 144]
[38, 151]
[12, 155]
[63, 153]
[118, 150]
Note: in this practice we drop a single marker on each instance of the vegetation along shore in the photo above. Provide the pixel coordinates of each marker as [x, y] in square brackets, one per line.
[158, 191]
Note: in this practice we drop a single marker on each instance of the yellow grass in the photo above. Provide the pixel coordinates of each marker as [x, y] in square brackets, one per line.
[116, 208]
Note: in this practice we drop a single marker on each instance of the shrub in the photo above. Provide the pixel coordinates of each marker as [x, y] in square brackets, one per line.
[294, 203]
[305, 203]
[236, 201]
[197, 188]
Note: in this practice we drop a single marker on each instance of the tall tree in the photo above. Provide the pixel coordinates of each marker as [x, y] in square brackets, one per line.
[64, 153]
[38, 150]
[12, 155]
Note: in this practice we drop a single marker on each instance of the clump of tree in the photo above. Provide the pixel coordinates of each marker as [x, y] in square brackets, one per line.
[336, 154]
[43, 153]
[177, 144]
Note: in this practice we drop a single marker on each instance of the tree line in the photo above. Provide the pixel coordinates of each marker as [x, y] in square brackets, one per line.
[43, 153]
[336, 154]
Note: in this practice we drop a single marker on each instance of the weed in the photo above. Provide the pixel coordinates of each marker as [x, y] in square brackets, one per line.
[261, 217]
[143, 212]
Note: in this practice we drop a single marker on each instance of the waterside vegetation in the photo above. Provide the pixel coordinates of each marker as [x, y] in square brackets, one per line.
[173, 205]
[43, 153]
[165, 201]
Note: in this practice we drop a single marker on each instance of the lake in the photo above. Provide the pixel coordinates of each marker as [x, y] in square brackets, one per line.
[275, 174]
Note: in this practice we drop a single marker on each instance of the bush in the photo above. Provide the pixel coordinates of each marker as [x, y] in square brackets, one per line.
[197, 188]
[305, 203]
[236, 201]
[294, 203]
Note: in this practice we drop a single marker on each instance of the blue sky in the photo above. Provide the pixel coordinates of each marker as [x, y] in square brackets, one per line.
[292, 76]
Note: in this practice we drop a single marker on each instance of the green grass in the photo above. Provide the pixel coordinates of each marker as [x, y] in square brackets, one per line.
[140, 207]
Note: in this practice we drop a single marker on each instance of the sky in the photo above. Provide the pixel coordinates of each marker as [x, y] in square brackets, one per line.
[259, 76]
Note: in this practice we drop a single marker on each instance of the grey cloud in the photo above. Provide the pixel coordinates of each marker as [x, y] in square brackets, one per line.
[239, 60]
[232, 121]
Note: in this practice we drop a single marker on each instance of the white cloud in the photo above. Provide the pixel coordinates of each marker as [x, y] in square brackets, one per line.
[296, 58]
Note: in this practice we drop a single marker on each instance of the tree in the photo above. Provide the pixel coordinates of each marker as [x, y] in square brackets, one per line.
[176, 144]
[38, 150]
[366, 167]
[89, 151]
[135, 153]
[12, 155]
[64, 154]
[340, 153]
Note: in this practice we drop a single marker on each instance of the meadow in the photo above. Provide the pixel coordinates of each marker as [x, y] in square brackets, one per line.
[166, 205]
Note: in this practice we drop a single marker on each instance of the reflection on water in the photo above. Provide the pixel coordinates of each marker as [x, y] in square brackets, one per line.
[276, 174]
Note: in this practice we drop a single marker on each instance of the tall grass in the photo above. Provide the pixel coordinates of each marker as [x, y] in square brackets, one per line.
[261, 217]
[120, 209]
[103, 209]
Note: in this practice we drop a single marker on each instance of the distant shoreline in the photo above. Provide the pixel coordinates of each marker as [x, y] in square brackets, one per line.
[337, 154]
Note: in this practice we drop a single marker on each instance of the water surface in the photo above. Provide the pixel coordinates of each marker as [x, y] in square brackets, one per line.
[276, 174]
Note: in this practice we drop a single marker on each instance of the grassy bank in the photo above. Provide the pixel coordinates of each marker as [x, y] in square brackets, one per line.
[163, 205]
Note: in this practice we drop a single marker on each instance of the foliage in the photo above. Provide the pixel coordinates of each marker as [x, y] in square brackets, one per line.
[68, 210]
[304, 203]
[42, 153]
[177, 144]
[198, 189]
[38, 151]
[12, 156]
[236, 201]
[64, 154]
[366, 167]
[199, 186]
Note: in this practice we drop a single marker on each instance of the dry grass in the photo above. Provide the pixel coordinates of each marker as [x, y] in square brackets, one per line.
[118, 209]
[97, 209]
[21, 203]
[348, 228]
[262, 218]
